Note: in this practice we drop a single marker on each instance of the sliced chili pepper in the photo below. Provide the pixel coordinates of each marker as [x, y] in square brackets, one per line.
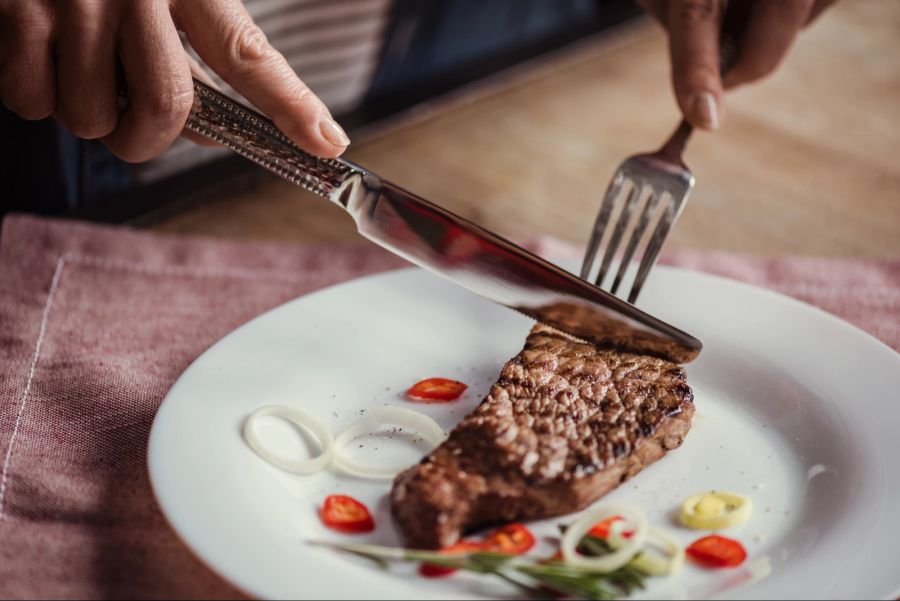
[512, 539]
[716, 551]
[430, 570]
[436, 389]
[346, 514]
[602, 529]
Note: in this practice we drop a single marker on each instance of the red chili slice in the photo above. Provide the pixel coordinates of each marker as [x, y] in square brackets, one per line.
[716, 551]
[602, 528]
[512, 539]
[436, 389]
[346, 514]
[430, 570]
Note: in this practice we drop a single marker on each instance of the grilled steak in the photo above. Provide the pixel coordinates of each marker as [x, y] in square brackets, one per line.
[565, 424]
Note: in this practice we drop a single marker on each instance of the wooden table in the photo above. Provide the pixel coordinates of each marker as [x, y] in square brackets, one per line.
[808, 161]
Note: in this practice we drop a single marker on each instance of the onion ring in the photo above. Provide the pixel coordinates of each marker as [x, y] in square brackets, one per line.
[735, 510]
[424, 425]
[657, 566]
[621, 555]
[301, 419]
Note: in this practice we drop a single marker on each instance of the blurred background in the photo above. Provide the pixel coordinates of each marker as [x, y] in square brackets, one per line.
[515, 114]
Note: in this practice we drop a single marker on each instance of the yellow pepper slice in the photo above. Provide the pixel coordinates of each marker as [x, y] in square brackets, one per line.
[715, 510]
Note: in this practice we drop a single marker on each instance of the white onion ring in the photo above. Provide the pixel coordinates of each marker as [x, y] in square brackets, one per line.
[621, 555]
[302, 419]
[427, 428]
[656, 566]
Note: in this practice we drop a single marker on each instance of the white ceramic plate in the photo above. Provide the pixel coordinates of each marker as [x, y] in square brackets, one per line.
[794, 407]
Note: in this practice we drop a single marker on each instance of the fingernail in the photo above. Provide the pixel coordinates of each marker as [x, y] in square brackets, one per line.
[332, 132]
[707, 110]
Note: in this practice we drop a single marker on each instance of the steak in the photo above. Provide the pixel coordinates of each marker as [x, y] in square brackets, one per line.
[607, 331]
[566, 423]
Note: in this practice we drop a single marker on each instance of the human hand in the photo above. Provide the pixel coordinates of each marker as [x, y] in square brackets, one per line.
[59, 59]
[693, 27]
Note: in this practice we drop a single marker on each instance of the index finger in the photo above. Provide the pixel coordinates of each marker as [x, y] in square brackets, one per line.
[227, 39]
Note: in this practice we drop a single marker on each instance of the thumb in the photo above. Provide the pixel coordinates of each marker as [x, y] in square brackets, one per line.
[694, 48]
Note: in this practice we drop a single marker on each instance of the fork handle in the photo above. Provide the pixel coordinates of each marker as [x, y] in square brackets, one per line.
[734, 23]
[674, 146]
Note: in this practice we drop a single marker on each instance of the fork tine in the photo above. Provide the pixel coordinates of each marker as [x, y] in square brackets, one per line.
[606, 208]
[621, 223]
[669, 215]
[637, 235]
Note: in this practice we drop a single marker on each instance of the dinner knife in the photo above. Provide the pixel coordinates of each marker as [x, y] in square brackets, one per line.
[439, 241]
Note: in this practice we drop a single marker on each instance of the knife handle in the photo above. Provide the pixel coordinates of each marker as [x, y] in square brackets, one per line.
[253, 136]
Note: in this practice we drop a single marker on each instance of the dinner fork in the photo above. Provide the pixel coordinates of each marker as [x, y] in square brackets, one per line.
[649, 191]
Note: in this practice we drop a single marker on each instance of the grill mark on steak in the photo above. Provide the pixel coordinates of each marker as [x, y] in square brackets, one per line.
[565, 424]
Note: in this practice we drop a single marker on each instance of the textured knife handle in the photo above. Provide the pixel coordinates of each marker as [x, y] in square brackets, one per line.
[255, 137]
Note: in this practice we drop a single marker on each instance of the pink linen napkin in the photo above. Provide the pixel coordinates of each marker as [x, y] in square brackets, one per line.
[96, 323]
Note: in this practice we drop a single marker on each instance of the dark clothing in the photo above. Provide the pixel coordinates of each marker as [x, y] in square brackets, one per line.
[45, 169]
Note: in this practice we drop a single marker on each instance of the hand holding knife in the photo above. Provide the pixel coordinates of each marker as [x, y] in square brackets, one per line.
[438, 240]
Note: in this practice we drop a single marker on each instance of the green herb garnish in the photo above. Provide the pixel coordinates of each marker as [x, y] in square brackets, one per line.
[537, 578]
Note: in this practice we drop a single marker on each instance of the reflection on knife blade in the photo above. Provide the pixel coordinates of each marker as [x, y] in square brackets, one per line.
[440, 241]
